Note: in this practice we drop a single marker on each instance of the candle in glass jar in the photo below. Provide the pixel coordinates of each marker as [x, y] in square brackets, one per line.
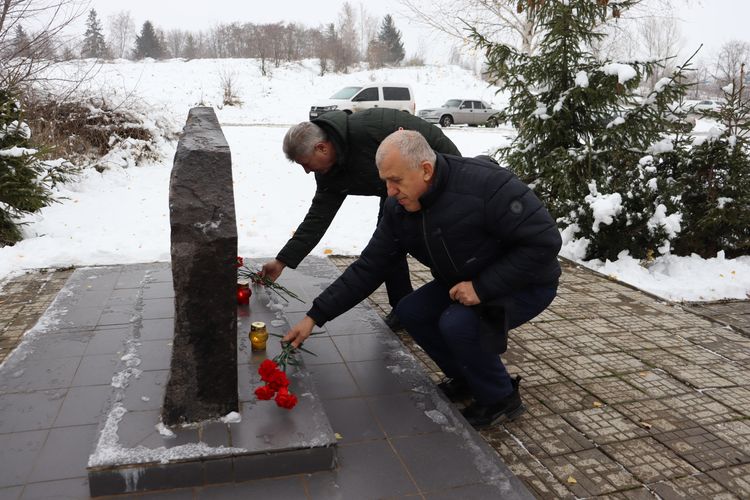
[258, 336]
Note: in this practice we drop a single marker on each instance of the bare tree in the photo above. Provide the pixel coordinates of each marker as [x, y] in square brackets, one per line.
[368, 28]
[349, 40]
[24, 58]
[120, 33]
[732, 55]
[176, 41]
[508, 21]
[660, 39]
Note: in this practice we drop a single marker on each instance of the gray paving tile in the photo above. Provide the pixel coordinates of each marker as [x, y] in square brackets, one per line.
[352, 420]
[53, 373]
[18, 451]
[697, 486]
[147, 391]
[439, 460]
[29, 411]
[109, 341]
[324, 349]
[12, 493]
[366, 471]
[117, 315]
[96, 369]
[79, 318]
[381, 377]
[334, 381]
[288, 488]
[77, 488]
[155, 355]
[83, 405]
[406, 414]
[159, 290]
[138, 428]
[158, 308]
[63, 344]
[364, 347]
[77, 443]
[156, 329]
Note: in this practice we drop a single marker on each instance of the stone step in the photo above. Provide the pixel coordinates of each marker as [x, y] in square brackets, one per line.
[134, 452]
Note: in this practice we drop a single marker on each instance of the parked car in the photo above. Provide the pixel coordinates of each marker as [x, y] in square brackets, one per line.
[376, 95]
[704, 105]
[460, 111]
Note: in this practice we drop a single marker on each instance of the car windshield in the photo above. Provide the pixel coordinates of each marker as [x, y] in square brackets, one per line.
[346, 93]
[452, 103]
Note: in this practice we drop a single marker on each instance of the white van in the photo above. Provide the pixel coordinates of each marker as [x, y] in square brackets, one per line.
[375, 95]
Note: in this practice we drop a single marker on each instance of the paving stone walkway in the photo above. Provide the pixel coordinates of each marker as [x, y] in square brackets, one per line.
[628, 396]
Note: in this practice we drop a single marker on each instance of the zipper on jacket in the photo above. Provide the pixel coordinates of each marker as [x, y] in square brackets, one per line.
[450, 259]
[427, 245]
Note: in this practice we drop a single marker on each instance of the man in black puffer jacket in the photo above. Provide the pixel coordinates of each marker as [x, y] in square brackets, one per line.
[492, 249]
[340, 149]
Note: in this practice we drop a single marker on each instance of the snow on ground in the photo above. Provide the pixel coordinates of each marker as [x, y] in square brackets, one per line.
[121, 216]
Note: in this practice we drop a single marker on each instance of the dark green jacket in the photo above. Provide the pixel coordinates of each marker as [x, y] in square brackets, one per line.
[356, 138]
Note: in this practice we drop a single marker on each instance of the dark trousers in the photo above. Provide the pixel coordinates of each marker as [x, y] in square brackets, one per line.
[449, 333]
[397, 280]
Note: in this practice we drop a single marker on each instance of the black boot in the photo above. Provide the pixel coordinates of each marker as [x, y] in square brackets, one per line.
[455, 389]
[510, 408]
[392, 321]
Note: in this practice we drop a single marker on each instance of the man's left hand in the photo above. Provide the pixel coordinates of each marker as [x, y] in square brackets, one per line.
[464, 293]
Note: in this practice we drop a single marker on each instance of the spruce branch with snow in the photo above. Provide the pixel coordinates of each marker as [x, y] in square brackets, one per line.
[586, 138]
[26, 181]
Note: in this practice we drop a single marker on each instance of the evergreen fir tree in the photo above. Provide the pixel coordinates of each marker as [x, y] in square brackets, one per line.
[147, 43]
[21, 42]
[25, 180]
[389, 39]
[93, 41]
[587, 142]
[713, 180]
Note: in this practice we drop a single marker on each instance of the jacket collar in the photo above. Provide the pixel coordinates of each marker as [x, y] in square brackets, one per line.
[336, 126]
[439, 180]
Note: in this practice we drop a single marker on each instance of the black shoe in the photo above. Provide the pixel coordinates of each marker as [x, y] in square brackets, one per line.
[455, 389]
[392, 321]
[481, 416]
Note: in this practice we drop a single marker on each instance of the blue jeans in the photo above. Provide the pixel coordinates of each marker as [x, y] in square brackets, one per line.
[449, 333]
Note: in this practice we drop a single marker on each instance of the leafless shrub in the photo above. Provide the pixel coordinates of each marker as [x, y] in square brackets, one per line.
[85, 131]
[228, 80]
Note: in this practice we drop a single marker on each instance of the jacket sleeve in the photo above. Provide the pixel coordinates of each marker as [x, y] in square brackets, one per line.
[529, 237]
[319, 216]
[361, 278]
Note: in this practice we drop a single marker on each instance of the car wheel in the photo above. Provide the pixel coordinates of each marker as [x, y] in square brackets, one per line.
[446, 121]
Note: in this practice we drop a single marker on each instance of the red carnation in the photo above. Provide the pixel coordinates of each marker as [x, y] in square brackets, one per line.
[240, 262]
[278, 380]
[286, 399]
[266, 369]
[265, 393]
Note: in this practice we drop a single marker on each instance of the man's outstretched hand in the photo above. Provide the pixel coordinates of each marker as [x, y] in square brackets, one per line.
[464, 293]
[300, 331]
[272, 269]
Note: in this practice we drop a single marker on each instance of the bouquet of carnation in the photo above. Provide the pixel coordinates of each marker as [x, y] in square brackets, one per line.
[273, 373]
[244, 272]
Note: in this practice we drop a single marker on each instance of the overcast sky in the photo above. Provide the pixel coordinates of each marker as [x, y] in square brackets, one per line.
[711, 22]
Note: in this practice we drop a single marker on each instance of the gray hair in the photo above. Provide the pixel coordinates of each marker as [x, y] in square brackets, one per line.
[300, 140]
[412, 146]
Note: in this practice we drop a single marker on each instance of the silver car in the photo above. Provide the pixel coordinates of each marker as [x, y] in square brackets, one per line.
[460, 111]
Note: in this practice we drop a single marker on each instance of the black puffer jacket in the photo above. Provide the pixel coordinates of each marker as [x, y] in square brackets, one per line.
[478, 223]
[356, 138]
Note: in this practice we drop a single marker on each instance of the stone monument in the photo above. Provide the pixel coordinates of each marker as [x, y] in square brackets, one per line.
[203, 374]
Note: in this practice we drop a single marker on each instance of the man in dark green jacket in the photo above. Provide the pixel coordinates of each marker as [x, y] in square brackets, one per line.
[339, 148]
